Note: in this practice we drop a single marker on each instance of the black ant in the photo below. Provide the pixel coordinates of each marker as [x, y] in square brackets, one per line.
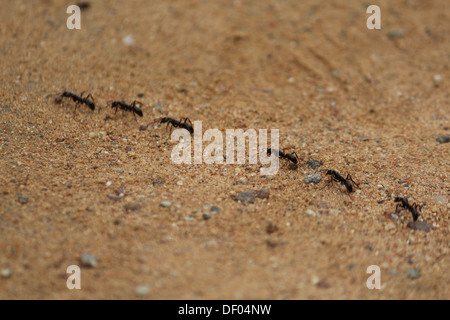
[80, 99]
[347, 182]
[414, 208]
[183, 123]
[126, 107]
[282, 155]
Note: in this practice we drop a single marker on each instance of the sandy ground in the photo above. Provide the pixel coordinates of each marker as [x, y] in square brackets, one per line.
[366, 102]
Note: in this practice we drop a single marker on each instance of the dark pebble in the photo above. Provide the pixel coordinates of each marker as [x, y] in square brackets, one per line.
[206, 216]
[215, 210]
[157, 182]
[263, 193]
[271, 228]
[23, 200]
[323, 284]
[418, 225]
[247, 197]
[133, 206]
[396, 34]
[140, 95]
[143, 128]
[313, 164]
[443, 139]
[271, 243]
[401, 181]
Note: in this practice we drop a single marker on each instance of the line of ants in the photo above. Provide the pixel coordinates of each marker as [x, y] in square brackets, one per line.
[185, 123]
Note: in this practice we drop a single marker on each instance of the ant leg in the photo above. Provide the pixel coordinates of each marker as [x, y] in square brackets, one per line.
[90, 96]
[187, 119]
[418, 207]
[349, 177]
[329, 181]
[170, 133]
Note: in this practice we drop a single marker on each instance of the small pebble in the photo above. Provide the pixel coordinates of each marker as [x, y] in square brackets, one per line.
[206, 216]
[412, 273]
[437, 79]
[143, 128]
[157, 182]
[23, 200]
[88, 260]
[263, 193]
[165, 204]
[128, 40]
[443, 139]
[157, 105]
[272, 243]
[313, 164]
[133, 206]
[310, 213]
[142, 291]
[247, 197]
[418, 225]
[313, 178]
[6, 273]
[215, 210]
[396, 34]
[271, 228]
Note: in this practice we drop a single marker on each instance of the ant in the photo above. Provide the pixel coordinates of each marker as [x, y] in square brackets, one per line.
[80, 99]
[293, 157]
[183, 123]
[347, 182]
[132, 107]
[414, 208]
